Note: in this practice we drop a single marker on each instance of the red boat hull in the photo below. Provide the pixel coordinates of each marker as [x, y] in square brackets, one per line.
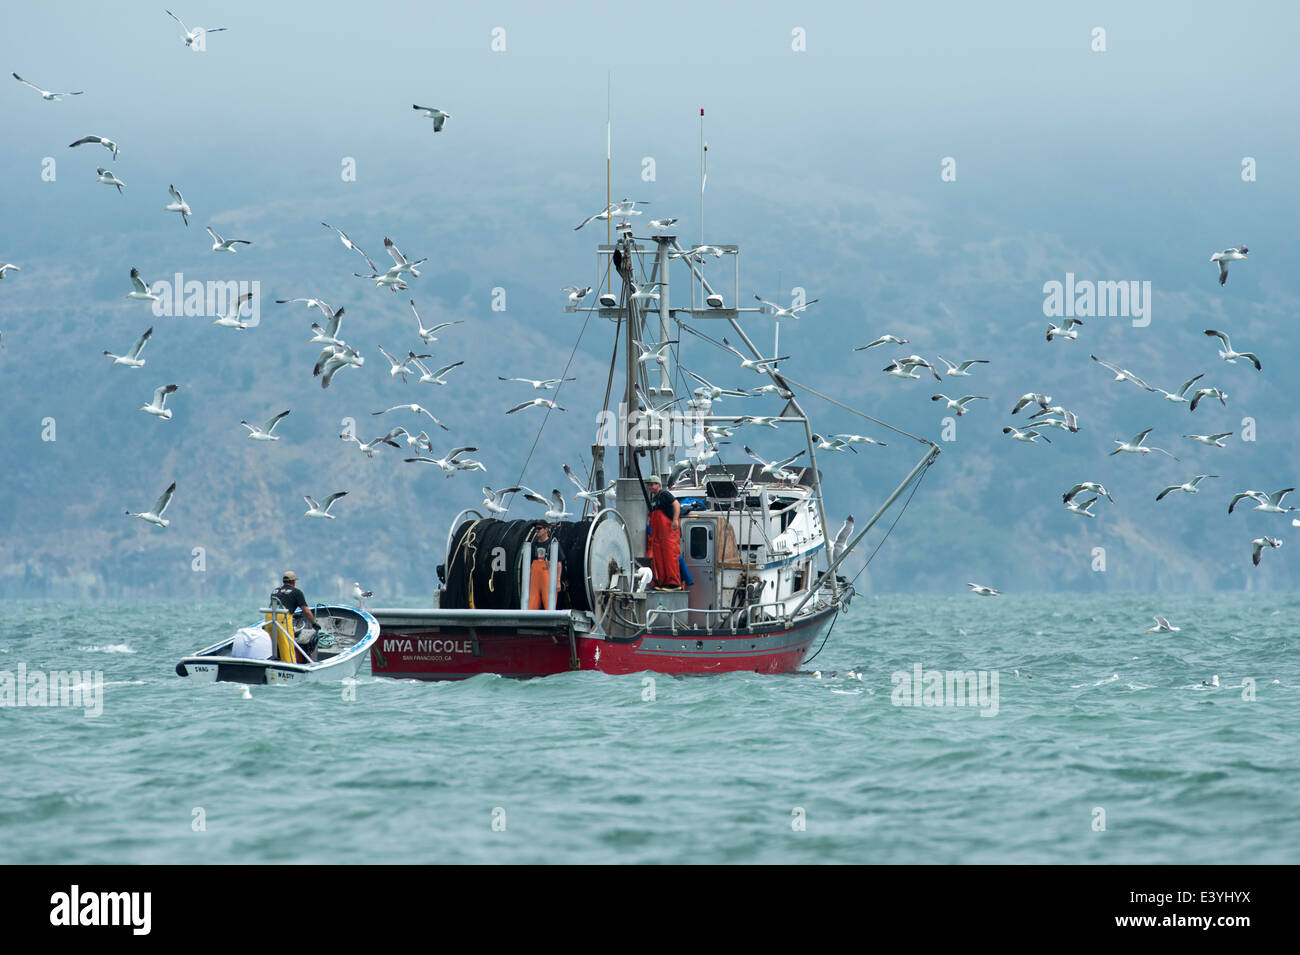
[408, 649]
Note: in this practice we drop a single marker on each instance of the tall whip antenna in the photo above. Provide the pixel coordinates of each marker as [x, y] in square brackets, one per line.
[704, 172]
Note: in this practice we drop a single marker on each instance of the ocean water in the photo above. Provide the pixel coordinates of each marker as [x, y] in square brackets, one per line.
[1106, 748]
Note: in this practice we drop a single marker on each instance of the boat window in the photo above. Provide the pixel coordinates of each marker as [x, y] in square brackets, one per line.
[699, 543]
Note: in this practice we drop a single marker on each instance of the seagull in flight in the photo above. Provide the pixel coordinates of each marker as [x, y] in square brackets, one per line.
[46, 94]
[536, 403]
[1092, 486]
[427, 334]
[225, 245]
[140, 291]
[761, 365]
[1235, 254]
[400, 367]
[657, 354]
[438, 116]
[884, 340]
[322, 510]
[108, 179]
[712, 391]
[775, 468]
[958, 371]
[1067, 329]
[416, 409]
[856, 439]
[1043, 401]
[1081, 507]
[332, 358]
[597, 498]
[1135, 446]
[494, 501]
[1258, 544]
[1190, 487]
[1122, 374]
[1213, 440]
[1181, 394]
[311, 303]
[9, 267]
[132, 358]
[446, 464]
[370, 447]
[155, 516]
[983, 591]
[96, 141]
[191, 36]
[1209, 393]
[231, 320]
[779, 312]
[349, 244]
[1267, 503]
[436, 377]
[539, 384]
[400, 262]
[615, 209]
[178, 204]
[906, 367]
[1029, 436]
[329, 334]
[959, 405]
[1227, 353]
[157, 407]
[556, 512]
[263, 433]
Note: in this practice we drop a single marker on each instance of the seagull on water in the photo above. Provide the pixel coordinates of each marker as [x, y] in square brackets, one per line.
[140, 291]
[1081, 507]
[97, 141]
[536, 403]
[47, 95]
[885, 339]
[322, 510]
[178, 204]
[1162, 625]
[349, 244]
[438, 116]
[427, 334]
[1235, 254]
[1135, 446]
[132, 358]
[108, 179]
[1067, 329]
[156, 515]
[1092, 486]
[1227, 354]
[225, 245]
[1258, 544]
[231, 320]
[157, 407]
[959, 405]
[416, 409]
[263, 433]
[1190, 487]
[779, 311]
[196, 34]
[983, 591]
[959, 371]
[1029, 436]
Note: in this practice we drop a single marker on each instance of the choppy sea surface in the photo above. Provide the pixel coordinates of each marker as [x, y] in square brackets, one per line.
[1106, 748]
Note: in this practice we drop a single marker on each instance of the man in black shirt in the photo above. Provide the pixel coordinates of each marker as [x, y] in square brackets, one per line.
[291, 598]
[665, 535]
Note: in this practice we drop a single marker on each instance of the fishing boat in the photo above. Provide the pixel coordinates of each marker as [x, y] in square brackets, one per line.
[764, 584]
[267, 652]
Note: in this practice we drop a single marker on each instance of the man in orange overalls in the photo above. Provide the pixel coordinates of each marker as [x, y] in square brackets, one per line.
[539, 580]
[665, 535]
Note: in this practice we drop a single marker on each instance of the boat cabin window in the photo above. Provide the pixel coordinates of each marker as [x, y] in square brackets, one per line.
[699, 542]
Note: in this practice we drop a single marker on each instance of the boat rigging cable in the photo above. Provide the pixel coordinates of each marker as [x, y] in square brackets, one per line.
[915, 486]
